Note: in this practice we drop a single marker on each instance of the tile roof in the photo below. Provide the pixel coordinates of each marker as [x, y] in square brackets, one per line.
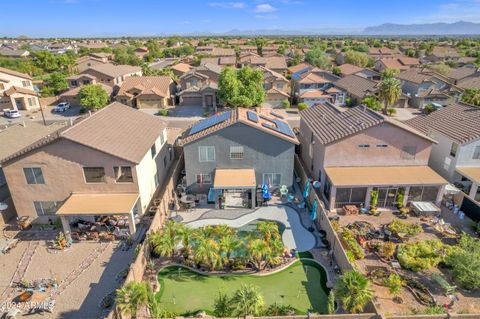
[311, 77]
[114, 70]
[181, 67]
[357, 85]
[299, 67]
[470, 82]
[419, 75]
[276, 62]
[331, 124]
[75, 91]
[347, 69]
[157, 85]
[16, 89]
[118, 130]
[459, 122]
[239, 115]
[461, 73]
[314, 94]
[15, 73]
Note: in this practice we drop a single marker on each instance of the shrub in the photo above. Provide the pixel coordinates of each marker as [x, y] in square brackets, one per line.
[394, 283]
[286, 104]
[391, 111]
[398, 227]
[302, 106]
[388, 249]
[422, 255]
[429, 108]
[222, 306]
[163, 112]
[352, 244]
[464, 259]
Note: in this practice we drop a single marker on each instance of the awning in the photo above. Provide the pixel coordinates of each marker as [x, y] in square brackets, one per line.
[472, 173]
[384, 175]
[235, 178]
[98, 204]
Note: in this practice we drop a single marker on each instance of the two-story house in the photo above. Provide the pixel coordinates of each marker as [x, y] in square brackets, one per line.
[457, 155]
[16, 91]
[355, 151]
[101, 165]
[75, 83]
[311, 87]
[112, 75]
[231, 154]
[147, 92]
[277, 87]
[198, 87]
[424, 86]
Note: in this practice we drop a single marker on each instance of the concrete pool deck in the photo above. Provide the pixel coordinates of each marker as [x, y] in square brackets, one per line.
[295, 236]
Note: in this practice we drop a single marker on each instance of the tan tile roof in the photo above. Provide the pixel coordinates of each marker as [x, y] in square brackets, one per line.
[357, 85]
[181, 67]
[470, 82]
[118, 130]
[312, 78]
[114, 70]
[299, 67]
[348, 69]
[463, 72]
[314, 94]
[75, 91]
[276, 62]
[459, 122]
[393, 63]
[158, 85]
[16, 89]
[15, 73]
[222, 52]
[239, 115]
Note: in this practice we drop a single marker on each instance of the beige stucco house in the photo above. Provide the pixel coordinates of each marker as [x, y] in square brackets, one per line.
[355, 151]
[145, 92]
[102, 165]
[112, 75]
[16, 91]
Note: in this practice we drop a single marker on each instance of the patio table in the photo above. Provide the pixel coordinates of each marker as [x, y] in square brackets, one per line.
[188, 199]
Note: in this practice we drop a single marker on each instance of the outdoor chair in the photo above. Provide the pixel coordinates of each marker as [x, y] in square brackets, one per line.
[283, 190]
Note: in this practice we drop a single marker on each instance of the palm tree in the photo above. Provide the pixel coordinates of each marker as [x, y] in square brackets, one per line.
[471, 96]
[162, 243]
[257, 250]
[185, 234]
[247, 300]
[353, 290]
[131, 296]
[269, 230]
[206, 251]
[390, 92]
[227, 245]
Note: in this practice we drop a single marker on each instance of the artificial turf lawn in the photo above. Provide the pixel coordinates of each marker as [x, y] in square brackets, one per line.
[295, 286]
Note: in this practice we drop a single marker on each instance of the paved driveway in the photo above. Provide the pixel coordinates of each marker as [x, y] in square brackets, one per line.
[295, 235]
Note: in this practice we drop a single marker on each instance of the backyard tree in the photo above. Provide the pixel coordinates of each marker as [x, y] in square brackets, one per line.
[93, 97]
[390, 92]
[372, 103]
[302, 106]
[247, 300]
[56, 83]
[471, 96]
[353, 291]
[131, 296]
[318, 58]
[356, 58]
[241, 88]
[464, 259]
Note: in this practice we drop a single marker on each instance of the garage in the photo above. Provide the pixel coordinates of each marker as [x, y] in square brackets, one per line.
[191, 100]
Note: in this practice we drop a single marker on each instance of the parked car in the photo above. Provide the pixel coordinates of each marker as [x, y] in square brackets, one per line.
[61, 107]
[12, 114]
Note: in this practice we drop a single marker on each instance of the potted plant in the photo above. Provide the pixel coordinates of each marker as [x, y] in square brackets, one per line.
[373, 201]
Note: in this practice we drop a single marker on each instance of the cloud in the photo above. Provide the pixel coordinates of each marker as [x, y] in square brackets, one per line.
[228, 5]
[460, 10]
[264, 8]
[266, 16]
[184, 22]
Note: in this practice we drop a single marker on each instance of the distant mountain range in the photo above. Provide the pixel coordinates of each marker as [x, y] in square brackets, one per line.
[456, 28]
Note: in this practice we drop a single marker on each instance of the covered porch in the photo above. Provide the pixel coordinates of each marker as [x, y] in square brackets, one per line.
[235, 188]
[472, 174]
[354, 185]
[87, 207]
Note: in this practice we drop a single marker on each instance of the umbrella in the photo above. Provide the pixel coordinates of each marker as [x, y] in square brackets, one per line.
[266, 192]
[307, 187]
[313, 215]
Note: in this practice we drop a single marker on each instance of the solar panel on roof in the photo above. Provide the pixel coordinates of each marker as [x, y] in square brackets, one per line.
[277, 115]
[280, 127]
[252, 116]
[209, 122]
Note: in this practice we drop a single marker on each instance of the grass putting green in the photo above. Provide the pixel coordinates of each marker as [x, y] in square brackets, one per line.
[302, 285]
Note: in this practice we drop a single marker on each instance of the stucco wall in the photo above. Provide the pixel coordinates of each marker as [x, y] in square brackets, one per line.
[262, 151]
[62, 165]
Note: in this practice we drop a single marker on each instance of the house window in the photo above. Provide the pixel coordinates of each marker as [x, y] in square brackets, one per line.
[153, 151]
[204, 179]
[123, 174]
[94, 174]
[74, 83]
[272, 179]
[279, 86]
[236, 152]
[476, 152]
[382, 145]
[34, 175]
[25, 83]
[162, 139]
[454, 149]
[85, 82]
[206, 153]
[31, 101]
[46, 208]
[364, 145]
[408, 152]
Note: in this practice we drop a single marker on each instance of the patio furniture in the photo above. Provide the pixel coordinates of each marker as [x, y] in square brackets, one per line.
[188, 199]
[350, 210]
[24, 222]
[283, 190]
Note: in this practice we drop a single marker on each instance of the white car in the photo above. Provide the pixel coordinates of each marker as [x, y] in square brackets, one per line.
[12, 114]
[61, 107]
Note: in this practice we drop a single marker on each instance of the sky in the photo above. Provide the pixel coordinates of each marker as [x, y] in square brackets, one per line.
[89, 18]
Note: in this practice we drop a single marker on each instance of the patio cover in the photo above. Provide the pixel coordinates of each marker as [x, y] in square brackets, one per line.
[472, 173]
[235, 178]
[380, 175]
[98, 204]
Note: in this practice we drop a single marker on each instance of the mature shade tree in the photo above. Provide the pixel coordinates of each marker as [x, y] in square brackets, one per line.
[247, 300]
[318, 58]
[353, 291]
[241, 88]
[464, 259]
[390, 92]
[471, 96]
[356, 58]
[372, 103]
[55, 84]
[93, 97]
